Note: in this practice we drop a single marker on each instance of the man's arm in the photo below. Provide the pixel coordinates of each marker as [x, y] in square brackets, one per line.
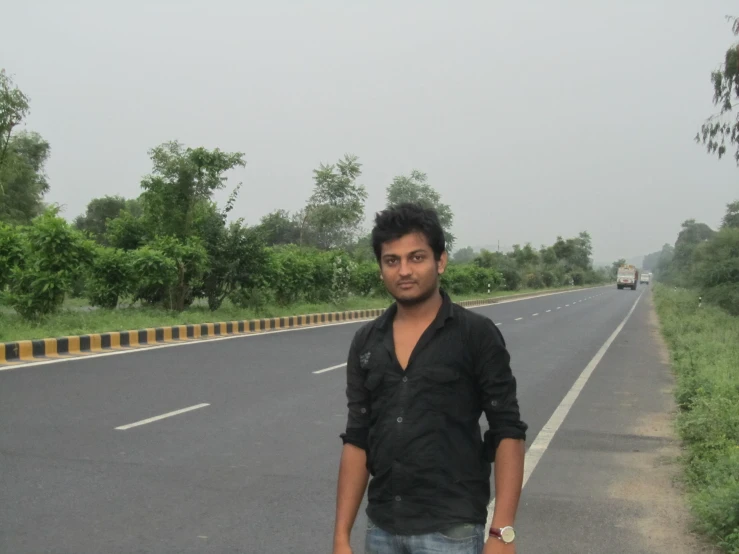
[353, 474]
[509, 459]
[507, 432]
[353, 478]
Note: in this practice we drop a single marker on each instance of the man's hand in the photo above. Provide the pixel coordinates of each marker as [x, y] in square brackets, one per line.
[497, 546]
[342, 547]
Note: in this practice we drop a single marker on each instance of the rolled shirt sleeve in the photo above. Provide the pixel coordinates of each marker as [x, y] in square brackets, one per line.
[358, 401]
[497, 389]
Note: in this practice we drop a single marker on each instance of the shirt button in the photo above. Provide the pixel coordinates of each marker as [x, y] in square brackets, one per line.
[405, 379]
[398, 499]
[400, 420]
[363, 410]
[493, 402]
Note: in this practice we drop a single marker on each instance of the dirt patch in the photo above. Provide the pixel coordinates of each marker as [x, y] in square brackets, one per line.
[664, 354]
[661, 514]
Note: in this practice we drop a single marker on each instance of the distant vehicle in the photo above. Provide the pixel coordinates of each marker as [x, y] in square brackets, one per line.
[627, 277]
[645, 278]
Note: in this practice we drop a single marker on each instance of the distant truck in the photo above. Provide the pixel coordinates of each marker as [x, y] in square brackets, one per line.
[645, 278]
[627, 277]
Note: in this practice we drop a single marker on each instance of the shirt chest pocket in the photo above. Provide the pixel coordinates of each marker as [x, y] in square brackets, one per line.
[442, 390]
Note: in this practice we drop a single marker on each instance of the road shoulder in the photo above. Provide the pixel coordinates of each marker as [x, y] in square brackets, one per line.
[609, 481]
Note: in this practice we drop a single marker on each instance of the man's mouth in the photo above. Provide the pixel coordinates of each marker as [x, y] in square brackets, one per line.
[406, 284]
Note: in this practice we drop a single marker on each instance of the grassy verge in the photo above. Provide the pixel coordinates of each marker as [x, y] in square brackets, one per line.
[79, 321]
[704, 347]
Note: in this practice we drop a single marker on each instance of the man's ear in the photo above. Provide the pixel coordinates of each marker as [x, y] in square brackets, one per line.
[441, 264]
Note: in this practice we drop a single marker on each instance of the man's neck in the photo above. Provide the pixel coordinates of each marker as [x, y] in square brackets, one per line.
[425, 311]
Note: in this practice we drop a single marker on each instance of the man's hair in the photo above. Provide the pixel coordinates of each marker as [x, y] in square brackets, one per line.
[406, 218]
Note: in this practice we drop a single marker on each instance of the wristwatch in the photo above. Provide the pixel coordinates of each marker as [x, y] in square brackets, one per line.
[505, 534]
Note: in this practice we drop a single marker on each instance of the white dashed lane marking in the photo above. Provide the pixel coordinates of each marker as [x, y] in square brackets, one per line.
[163, 416]
[324, 370]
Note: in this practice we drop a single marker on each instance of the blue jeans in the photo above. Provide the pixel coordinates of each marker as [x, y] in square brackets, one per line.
[460, 539]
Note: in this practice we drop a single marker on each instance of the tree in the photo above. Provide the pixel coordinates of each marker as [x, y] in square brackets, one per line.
[505, 265]
[237, 257]
[717, 269]
[127, 231]
[54, 256]
[548, 255]
[336, 207]
[525, 256]
[361, 250]
[415, 188]
[97, 214]
[464, 255]
[731, 219]
[691, 235]
[723, 126]
[614, 267]
[650, 261]
[13, 109]
[575, 252]
[11, 252]
[664, 264]
[22, 179]
[279, 227]
[181, 179]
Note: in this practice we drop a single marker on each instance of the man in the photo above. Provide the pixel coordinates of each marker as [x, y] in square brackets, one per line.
[418, 379]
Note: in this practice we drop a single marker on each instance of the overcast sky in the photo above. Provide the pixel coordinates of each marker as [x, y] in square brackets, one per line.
[533, 119]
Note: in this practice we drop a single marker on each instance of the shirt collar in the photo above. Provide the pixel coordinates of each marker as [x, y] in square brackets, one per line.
[445, 312]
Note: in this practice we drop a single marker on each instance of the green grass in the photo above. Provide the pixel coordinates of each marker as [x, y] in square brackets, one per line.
[77, 319]
[704, 347]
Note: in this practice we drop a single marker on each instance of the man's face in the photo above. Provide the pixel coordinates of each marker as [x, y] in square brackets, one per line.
[409, 269]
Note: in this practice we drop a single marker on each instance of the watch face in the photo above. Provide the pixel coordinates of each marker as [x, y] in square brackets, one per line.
[507, 534]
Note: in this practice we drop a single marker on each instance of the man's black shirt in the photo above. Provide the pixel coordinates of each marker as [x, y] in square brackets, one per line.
[420, 427]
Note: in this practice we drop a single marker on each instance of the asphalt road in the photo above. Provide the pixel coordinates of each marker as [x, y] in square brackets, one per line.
[254, 471]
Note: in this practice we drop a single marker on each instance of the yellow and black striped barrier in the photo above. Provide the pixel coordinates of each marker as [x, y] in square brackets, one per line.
[42, 349]
[31, 350]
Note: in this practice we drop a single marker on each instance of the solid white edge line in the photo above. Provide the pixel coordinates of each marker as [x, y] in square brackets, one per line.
[145, 348]
[329, 368]
[163, 416]
[545, 436]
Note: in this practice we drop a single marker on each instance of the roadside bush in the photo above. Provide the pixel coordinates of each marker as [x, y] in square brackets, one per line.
[343, 268]
[256, 298]
[191, 261]
[126, 231]
[291, 273]
[469, 279]
[155, 273]
[365, 279]
[11, 252]
[111, 277]
[548, 278]
[534, 281]
[321, 276]
[53, 256]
